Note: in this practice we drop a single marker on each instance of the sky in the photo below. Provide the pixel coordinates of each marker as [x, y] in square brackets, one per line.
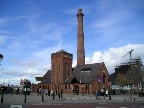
[31, 30]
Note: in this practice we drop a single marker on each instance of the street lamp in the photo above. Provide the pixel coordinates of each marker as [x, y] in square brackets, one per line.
[1, 57]
[109, 83]
[142, 84]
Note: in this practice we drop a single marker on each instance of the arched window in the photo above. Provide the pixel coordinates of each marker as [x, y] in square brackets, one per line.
[103, 79]
[65, 86]
[86, 87]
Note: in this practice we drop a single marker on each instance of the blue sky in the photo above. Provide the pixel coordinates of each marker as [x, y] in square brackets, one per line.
[30, 30]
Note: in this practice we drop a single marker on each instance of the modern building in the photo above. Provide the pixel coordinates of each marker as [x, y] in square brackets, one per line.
[84, 78]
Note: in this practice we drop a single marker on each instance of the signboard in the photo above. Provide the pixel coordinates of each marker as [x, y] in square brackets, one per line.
[109, 83]
[99, 79]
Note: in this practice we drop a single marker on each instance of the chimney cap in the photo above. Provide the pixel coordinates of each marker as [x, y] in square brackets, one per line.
[79, 10]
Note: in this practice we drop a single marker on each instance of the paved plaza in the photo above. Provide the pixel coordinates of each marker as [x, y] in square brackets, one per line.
[34, 99]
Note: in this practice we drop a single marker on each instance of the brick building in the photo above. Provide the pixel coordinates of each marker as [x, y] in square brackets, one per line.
[84, 78]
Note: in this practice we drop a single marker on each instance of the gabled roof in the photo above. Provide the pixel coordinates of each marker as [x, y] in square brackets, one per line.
[85, 74]
[46, 79]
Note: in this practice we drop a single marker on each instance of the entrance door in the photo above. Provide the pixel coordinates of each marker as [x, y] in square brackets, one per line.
[77, 89]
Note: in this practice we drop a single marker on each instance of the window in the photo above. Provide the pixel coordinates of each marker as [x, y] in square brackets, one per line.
[65, 86]
[86, 70]
[103, 79]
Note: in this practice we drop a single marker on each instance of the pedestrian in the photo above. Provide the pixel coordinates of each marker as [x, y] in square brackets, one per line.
[19, 91]
[39, 91]
[46, 92]
[51, 92]
[106, 93]
[97, 94]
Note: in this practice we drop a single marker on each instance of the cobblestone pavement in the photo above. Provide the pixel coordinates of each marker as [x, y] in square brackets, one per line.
[34, 99]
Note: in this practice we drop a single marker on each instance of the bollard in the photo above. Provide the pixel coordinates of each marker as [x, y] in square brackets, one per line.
[124, 99]
[59, 95]
[25, 98]
[2, 98]
[53, 95]
[134, 99]
[42, 97]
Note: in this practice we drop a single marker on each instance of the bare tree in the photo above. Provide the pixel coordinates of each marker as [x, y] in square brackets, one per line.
[134, 75]
[121, 79]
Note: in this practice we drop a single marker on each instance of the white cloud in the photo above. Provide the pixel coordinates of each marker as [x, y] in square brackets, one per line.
[46, 67]
[1, 68]
[30, 72]
[29, 63]
[12, 81]
[74, 63]
[113, 56]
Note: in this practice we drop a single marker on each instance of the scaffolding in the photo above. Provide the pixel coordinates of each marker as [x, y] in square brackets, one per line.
[123, 67]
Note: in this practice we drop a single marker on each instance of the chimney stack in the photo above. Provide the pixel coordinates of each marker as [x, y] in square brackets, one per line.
[80, 39]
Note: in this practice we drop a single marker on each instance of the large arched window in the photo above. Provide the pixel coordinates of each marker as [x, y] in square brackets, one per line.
[103, 79]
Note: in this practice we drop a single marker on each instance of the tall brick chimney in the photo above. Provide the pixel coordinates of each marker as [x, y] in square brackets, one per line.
[80, 39]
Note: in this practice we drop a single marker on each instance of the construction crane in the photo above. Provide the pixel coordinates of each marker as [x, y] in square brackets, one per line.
[130, 52]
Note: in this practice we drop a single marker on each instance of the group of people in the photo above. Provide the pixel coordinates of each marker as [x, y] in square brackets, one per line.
[99, 93]
[19, 91]
[47, 92]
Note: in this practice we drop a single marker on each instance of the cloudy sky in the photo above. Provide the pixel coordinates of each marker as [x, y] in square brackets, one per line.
[30, 30]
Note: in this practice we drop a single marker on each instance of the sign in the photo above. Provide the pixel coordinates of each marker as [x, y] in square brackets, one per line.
[109, 83]
[99, 79]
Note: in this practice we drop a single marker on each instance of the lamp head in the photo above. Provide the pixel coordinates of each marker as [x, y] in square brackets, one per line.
[1, 57]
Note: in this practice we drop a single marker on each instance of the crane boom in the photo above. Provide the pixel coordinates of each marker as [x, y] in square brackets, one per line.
[130, 52]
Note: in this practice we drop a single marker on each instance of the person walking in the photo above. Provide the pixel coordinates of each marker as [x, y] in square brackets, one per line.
[46, 92]
[40, 91]
[97, 94]
[106, 93]
[51, 93]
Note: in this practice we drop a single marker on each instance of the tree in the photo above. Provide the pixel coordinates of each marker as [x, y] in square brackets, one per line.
[134, 75]
[121, 79]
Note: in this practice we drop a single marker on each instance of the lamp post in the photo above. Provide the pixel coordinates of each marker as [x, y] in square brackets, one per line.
[142, 84]
[1, 58]
[109, 83]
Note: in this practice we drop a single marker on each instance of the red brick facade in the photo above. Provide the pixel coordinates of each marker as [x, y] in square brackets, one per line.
[80, 40]
[61, 69]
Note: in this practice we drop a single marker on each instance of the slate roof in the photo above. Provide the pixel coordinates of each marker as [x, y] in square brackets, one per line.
[61, 51]
[46, 78]
[85, 77]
